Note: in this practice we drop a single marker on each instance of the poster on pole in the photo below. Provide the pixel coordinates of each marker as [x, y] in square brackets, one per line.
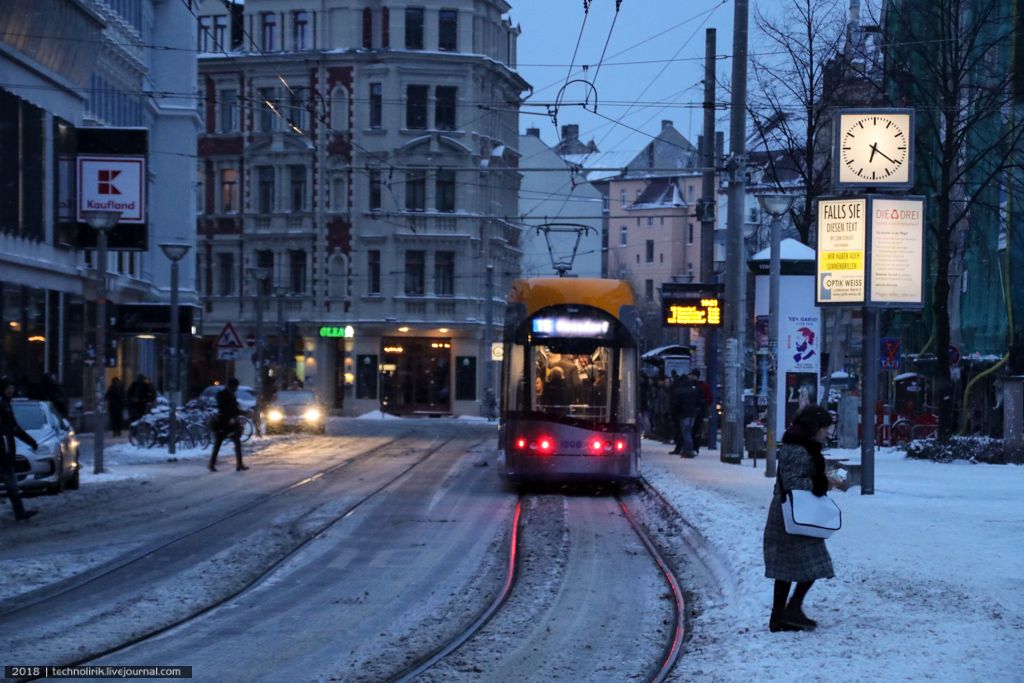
[897, 252]
[842, 246]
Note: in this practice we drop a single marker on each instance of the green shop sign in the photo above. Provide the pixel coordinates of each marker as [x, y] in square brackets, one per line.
[346, 332]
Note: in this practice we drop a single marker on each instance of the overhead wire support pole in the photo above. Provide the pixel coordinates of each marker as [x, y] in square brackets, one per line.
[735, 352]
[707, 225]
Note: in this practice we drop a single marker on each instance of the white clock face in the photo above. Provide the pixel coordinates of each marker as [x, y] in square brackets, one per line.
[874, 149]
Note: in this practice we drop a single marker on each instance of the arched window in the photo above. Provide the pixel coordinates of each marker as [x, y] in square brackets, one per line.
[337, 274]
[339, 109]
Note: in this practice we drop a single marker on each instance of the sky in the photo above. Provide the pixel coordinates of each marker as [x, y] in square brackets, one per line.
[654, 58]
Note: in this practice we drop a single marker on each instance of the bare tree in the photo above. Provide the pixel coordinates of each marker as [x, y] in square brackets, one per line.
[791, 108]
[950, 61]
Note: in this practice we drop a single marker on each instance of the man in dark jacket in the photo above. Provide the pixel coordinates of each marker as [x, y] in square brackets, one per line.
[141, 396]
[9, 429]
[227, 426]
[686, 401]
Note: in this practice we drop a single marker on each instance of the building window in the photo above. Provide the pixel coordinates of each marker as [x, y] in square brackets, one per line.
[220, 33]
[661, 258]
[385, 27]
[225, 274]
[622, 197]
[298, 115]
[268, 31]
[650, 251]
[661, 220]
[229, 190]
[297, 270]
[339, 196]
[447, 30]
[444, 273]
[228, 110]
[265, 262]
[373, 271]
[265, 186]
[416, 190]
[267, 103]
[689, 233]
[416, 106]
[413, 28]
[300, 30]
[375, 187]
[623, 236]
[638, 221]
[415, 265]
[649, 290]
[445, 190]
[205, 37]
[376, 105]
[367, 28]
[650, 220]
[444, 107]
[339, 109]
[297, 177]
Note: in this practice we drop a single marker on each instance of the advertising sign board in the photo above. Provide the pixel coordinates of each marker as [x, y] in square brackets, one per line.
[842, 246]
[897, 251]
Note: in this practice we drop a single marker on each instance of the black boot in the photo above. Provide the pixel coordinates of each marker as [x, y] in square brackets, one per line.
[794, 614]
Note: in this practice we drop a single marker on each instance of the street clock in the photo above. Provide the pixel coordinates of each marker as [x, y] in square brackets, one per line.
[873, 148]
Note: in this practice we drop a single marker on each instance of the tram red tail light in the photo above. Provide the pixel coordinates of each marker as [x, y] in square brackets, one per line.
[520, 444]
[620, 445]
[545, 444]
[597, 446]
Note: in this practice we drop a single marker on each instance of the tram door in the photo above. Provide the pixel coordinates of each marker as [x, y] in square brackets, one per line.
[416, 375]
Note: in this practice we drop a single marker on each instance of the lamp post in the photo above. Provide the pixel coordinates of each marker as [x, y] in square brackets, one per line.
[775, 205]
[101, 222]
[174, 252]
[280, 292]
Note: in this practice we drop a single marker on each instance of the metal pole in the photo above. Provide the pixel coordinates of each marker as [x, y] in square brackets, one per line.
[172, 437]
[707, 226]
[732, 446]
[488, 322]
[774, 283]
[867, 405]
[258, 302]
[101, 350]
[280, 340]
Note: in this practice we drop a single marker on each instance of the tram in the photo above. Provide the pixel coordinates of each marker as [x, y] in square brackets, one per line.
[569, 381]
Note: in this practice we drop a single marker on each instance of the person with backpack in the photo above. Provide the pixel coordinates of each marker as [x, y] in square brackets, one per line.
[226, 425]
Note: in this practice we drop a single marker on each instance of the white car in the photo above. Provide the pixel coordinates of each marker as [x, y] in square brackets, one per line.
[53, 466]
[244, 394]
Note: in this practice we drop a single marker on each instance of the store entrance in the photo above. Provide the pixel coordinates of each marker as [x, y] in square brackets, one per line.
[415, 375]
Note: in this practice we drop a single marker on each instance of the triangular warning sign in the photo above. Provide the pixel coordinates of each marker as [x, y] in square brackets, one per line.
[228, 338]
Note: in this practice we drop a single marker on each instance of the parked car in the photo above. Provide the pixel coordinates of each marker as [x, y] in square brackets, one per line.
[295, 410]
[245, 395]
[53, 466]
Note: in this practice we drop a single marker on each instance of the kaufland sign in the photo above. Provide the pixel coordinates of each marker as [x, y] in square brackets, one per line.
[113, 183]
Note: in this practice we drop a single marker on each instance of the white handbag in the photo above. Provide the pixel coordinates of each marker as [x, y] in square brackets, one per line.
[806, 514]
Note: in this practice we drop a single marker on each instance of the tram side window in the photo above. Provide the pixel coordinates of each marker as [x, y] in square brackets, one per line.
[627, 386]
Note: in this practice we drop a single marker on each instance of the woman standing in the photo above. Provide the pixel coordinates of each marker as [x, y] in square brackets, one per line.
[115, 405]
[797, 559]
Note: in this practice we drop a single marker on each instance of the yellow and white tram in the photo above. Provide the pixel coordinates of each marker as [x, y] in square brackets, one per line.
[569, 381]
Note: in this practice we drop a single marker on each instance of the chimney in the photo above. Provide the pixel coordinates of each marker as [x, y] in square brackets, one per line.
[665, 123]
[570, 131]
[533, 132]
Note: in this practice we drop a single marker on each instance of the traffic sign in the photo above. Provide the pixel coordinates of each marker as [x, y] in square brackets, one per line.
[228, 338]
[233, 354]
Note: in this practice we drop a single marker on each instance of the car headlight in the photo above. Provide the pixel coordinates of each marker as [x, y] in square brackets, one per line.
[312, 414]
[274, 415]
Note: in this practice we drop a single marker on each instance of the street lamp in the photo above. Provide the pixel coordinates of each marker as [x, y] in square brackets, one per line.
[280, 292]
[174, 252]
[775, 205]
[101, 222]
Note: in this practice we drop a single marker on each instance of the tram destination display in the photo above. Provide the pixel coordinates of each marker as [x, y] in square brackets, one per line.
[705, 311]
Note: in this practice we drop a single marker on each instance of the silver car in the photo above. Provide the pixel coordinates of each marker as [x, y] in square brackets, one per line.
[53, 466]
[295, 411]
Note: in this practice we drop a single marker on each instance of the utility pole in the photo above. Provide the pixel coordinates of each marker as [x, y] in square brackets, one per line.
[735, 351]
[709, 202]
[488, 322]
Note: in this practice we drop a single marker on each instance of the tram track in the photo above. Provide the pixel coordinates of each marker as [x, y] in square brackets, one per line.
[268, 570]
[656, 673]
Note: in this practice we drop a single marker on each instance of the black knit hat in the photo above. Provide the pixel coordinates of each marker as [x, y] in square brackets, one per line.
[809, 419]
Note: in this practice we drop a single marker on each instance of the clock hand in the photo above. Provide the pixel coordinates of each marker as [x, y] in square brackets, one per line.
[874, 150]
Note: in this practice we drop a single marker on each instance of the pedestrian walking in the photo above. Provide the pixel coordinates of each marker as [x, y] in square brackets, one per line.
[9, 430]
[115, 405]
[789, 558]
[226, 425]
[686, 400]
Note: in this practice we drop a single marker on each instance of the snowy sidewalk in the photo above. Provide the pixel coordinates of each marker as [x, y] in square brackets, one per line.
[928, 574]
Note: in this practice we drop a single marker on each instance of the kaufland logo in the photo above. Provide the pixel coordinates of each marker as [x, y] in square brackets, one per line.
[107, 183]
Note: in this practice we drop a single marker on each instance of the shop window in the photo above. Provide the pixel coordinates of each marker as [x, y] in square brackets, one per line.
[465, 378]
[366, 376]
